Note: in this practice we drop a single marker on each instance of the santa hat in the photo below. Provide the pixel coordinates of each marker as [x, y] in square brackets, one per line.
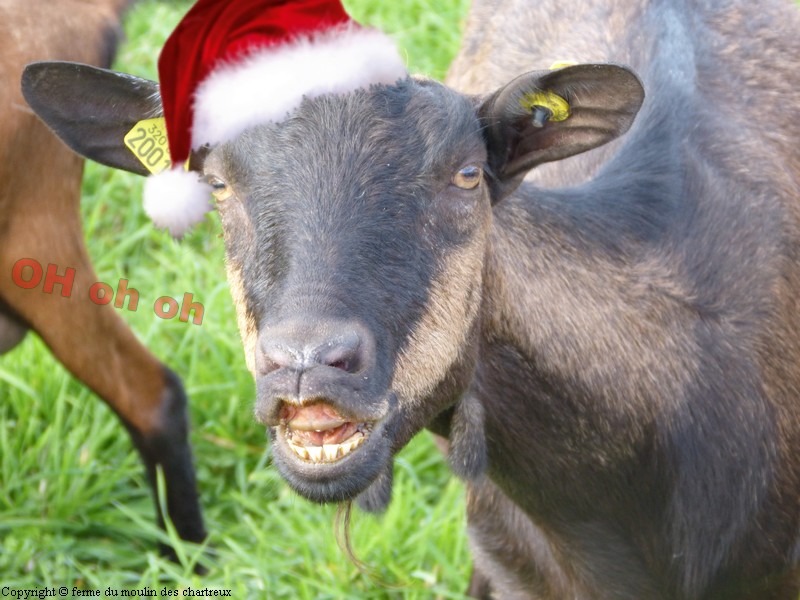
[233, 64]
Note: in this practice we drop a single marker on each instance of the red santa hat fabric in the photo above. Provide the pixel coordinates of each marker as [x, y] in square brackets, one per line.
[233, 64]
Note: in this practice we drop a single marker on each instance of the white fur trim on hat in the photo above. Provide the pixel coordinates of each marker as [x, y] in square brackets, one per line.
[176, 200]
[271, 82]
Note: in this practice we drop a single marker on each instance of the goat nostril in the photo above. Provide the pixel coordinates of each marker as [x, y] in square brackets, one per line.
[343, 353]
[342, 364]
[273, 355]
[267, 366]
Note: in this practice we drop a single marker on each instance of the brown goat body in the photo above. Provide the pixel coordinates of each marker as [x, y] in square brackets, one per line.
[40, 188]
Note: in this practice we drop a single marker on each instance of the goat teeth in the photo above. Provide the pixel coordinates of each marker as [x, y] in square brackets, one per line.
[299, 450]
[315, 452]
[352, 445]
[329, 451]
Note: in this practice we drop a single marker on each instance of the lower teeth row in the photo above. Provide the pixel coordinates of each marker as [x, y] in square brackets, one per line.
[328, 452]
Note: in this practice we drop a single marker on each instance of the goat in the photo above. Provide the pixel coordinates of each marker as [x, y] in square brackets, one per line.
[611, 346]
[40, 181]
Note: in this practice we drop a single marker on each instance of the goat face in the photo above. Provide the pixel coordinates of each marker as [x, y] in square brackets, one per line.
[355, 233]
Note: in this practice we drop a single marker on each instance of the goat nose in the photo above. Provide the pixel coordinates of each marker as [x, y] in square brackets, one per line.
[301, 348]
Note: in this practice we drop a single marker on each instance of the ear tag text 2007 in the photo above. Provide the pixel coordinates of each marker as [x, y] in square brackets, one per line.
[148, 142]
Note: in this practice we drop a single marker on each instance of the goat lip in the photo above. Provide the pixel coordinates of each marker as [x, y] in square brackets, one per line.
[319, 437]
[315, 424]
[316, 416]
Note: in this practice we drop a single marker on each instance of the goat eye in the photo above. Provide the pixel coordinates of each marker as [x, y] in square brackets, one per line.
[468, 178]
[219, 189]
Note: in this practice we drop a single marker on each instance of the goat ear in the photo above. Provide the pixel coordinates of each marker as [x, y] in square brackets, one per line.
[91, 109]
[585, 106]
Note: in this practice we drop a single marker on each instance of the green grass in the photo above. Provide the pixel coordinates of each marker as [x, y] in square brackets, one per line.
[74, 507]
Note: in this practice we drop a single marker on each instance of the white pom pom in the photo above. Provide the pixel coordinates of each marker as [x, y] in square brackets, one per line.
[176, 200]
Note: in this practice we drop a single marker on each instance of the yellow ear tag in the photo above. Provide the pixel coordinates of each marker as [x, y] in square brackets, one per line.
[148, 142]
[553, 102]
[560, 64]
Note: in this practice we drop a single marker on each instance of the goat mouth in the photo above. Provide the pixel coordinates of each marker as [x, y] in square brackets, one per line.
[317, 433]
